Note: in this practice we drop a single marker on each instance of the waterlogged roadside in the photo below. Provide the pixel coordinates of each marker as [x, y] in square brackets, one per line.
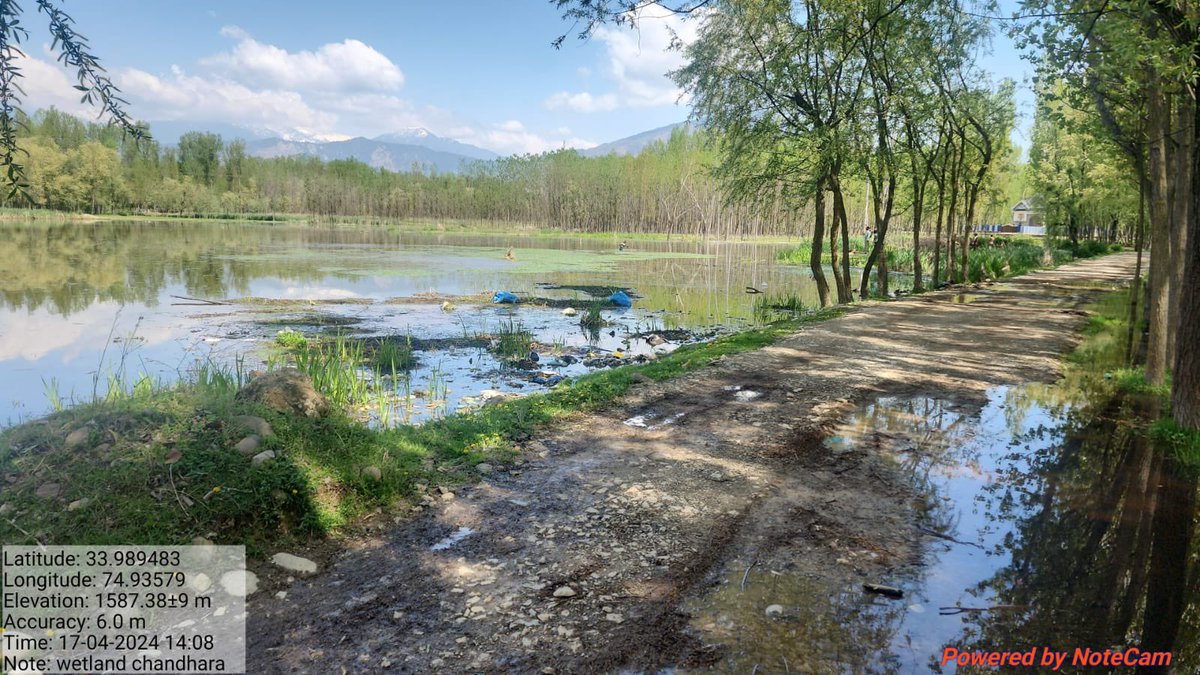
[1047, 515]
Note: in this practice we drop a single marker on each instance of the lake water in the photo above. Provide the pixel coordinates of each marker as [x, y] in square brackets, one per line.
[82, 302]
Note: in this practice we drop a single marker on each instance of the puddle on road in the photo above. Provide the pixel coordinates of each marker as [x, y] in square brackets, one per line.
[1039, 513]
[452, 539]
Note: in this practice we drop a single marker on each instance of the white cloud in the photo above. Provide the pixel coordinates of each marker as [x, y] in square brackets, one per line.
[581, 102]
[181, 96]
[346, 66]
[637, 61]
[511, 137]
[347, 89]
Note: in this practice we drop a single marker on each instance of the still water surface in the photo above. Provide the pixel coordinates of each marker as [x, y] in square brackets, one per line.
[81, 302]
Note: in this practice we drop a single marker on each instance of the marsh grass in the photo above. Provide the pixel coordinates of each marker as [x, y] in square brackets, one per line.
[592, 317]
[512, 341]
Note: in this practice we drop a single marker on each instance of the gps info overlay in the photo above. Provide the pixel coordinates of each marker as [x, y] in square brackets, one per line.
[123, 609]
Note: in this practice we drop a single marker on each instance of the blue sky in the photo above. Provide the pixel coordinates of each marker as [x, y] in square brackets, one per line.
[480, 72]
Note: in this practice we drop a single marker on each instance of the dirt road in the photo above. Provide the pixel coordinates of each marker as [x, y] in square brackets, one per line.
[593, 553]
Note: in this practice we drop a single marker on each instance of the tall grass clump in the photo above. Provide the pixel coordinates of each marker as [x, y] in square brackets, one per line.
[335, 369]
[389, 356]
[512, 341]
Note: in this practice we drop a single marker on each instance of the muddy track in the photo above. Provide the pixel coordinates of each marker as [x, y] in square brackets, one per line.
[729, 473]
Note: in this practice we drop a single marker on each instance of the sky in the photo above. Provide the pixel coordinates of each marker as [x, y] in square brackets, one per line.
[481, 72]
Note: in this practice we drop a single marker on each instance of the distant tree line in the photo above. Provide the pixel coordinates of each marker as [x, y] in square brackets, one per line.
[73, 165]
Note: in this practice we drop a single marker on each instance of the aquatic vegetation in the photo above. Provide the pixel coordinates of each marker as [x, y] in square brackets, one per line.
[592, 318]
[291, 339]
[392, 355]
[768, 308]
[512, 340]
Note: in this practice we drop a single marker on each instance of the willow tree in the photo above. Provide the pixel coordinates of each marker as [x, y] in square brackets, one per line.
[778, 83]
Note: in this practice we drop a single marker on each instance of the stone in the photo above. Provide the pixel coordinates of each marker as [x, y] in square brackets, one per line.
[564, 592]
[6, 509]
[48, 490]
[372, 472]
[774, 610]
[201, 541]
[78, 504]
[294, 563]
[483, 468]
[77, 437]
[254, 423]
[615, 618]
[286, 390]
[569, 311]
[262, 457]
[248, 445]
[281, 595]
[239, 582]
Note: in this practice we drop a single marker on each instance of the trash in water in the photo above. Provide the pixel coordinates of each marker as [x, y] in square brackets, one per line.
[636, 421]
[620, 299]
[745, 395]
[454, 537]
[546, 377]
[504, 298]
[888, 591]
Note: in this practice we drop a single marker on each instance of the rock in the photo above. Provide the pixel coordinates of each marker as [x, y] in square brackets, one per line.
[564, 592]
[294, 563]
[199, 582]
[493, 397]
[248, 445]
[77, 437]
[254, 423]
[281, 595]
[48, 490]
[483, 468]
[372, 472]
[287, 391]
[774, 610]
[239, 582]
[6, 509]
[78, 504]
[201, 541]
[262, 457]
[570, 311]
[615, 618]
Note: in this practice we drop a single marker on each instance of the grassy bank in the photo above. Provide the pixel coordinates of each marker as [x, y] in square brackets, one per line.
[1013, 257]
[159, 466]
[1097, 371]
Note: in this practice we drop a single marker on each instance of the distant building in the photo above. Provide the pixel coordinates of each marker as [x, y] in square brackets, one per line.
[1025, 219]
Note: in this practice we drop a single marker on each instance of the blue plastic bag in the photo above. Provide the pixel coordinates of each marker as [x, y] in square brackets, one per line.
[504, 298]
[620, 299]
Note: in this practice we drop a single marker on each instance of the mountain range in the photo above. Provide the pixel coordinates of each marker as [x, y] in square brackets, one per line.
[397, 151]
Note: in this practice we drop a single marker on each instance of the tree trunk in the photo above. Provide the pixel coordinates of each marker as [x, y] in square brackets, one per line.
[1185, 381]
[1160, 238]
[818, 235]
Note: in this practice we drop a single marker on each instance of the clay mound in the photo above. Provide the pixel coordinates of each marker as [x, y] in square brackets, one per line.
[287, 391]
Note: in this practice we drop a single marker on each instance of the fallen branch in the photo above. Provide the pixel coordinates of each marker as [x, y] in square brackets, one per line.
[951, 611]
[939, 535]
[196, 301]
[747, 574]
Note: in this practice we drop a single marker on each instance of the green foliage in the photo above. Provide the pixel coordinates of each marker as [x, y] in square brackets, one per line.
[389, 356]
[592, 318]
[512, 341]
[291, 340]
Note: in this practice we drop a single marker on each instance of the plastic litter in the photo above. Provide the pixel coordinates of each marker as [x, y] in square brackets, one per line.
[504, 298]
[620, 299]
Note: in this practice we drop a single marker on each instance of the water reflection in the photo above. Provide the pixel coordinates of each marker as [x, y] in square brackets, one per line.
[1051, 523]
[67, 290]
